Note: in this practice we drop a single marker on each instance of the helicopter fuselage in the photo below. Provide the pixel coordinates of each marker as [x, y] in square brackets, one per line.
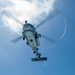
[31, 36]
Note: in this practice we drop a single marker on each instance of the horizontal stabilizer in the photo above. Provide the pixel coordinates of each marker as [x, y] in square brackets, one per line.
[40, 59]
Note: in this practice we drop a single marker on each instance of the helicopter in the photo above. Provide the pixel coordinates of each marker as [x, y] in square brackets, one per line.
[31, 35]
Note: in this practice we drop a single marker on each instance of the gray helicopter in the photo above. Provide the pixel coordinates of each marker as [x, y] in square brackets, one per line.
[31, 35]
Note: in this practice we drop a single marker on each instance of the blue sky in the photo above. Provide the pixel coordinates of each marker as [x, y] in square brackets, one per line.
[15, 59]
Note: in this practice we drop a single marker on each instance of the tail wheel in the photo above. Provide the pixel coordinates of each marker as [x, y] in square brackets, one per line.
[38, 55]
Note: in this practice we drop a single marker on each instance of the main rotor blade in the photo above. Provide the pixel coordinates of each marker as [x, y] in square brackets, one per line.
[8, 14]
[17, 39]
[49, 39]
[52, 15]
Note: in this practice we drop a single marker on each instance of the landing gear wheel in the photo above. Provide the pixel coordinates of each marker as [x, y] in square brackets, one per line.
[23, 38]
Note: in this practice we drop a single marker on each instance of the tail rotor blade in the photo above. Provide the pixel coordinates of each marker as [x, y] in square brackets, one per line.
[51, 40]
[17, 39]
[52, 15]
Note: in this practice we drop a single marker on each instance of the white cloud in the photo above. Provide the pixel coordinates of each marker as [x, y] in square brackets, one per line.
[32, 10]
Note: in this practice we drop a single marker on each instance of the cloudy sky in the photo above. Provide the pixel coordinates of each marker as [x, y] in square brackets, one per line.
[15, 59]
